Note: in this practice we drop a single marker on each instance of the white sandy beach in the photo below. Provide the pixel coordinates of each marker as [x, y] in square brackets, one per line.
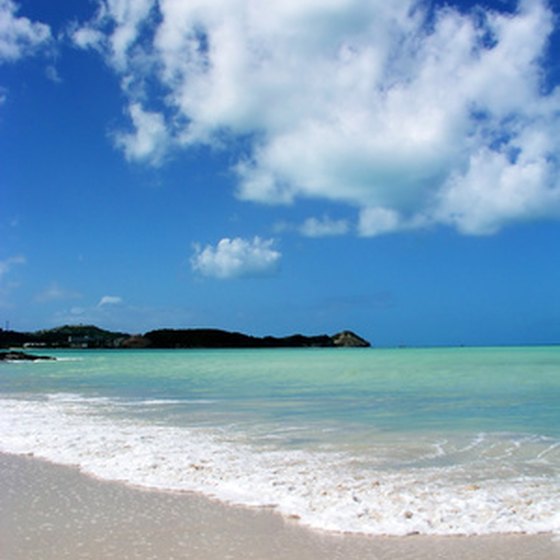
[50, 512]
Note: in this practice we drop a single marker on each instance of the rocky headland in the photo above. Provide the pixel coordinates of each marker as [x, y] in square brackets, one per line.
[89, 336]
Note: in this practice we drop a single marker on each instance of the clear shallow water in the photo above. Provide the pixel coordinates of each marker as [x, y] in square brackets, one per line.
[434, 441]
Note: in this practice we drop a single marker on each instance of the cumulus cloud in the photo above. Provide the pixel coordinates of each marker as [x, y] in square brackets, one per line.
[234, 258]
[149, 140]
[377, 221]
[114, 29]
[413, 118]
[19, 36]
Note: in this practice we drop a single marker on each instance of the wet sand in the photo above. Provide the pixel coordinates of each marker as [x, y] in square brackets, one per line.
[49, 512]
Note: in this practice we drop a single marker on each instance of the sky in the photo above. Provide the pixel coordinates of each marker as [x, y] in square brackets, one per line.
[288, 166]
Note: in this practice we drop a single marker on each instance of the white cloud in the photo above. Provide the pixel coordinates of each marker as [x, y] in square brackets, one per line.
[361, 102]
[114, 29]
[87, 38]
[495, 190]
[233, 258]
[324, 227]
[110, 300]
[128, 16]
[149, 141]
[377, 221]
[19, 36]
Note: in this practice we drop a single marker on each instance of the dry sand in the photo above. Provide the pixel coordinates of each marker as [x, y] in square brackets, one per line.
[49, 512]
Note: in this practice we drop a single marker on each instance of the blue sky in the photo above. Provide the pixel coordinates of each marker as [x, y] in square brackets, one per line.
[308, 166]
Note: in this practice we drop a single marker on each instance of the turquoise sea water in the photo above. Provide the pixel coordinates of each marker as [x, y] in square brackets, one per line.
[434, 441]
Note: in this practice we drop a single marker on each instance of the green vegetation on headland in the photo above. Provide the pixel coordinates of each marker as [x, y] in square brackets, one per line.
[89, 336]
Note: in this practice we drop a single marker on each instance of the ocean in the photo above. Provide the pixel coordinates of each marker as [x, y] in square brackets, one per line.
[434, 441]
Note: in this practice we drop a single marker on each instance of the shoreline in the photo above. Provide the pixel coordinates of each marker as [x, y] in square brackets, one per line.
[49, 512]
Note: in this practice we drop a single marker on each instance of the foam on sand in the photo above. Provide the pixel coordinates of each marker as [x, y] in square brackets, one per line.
[49, 512]
[324, 490]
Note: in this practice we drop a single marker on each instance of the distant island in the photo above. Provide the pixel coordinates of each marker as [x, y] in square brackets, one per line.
[90, 336]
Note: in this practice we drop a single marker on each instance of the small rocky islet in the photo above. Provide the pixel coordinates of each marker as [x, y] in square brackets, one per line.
[17, 356]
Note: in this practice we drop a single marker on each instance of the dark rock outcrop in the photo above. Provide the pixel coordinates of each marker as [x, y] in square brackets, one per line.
[348, 339]
[13, 356]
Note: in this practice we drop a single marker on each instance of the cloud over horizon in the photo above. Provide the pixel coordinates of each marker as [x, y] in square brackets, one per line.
[413, 118]
[236, 258]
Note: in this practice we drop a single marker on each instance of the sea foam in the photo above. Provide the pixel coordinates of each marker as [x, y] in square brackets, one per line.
[443, 488]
